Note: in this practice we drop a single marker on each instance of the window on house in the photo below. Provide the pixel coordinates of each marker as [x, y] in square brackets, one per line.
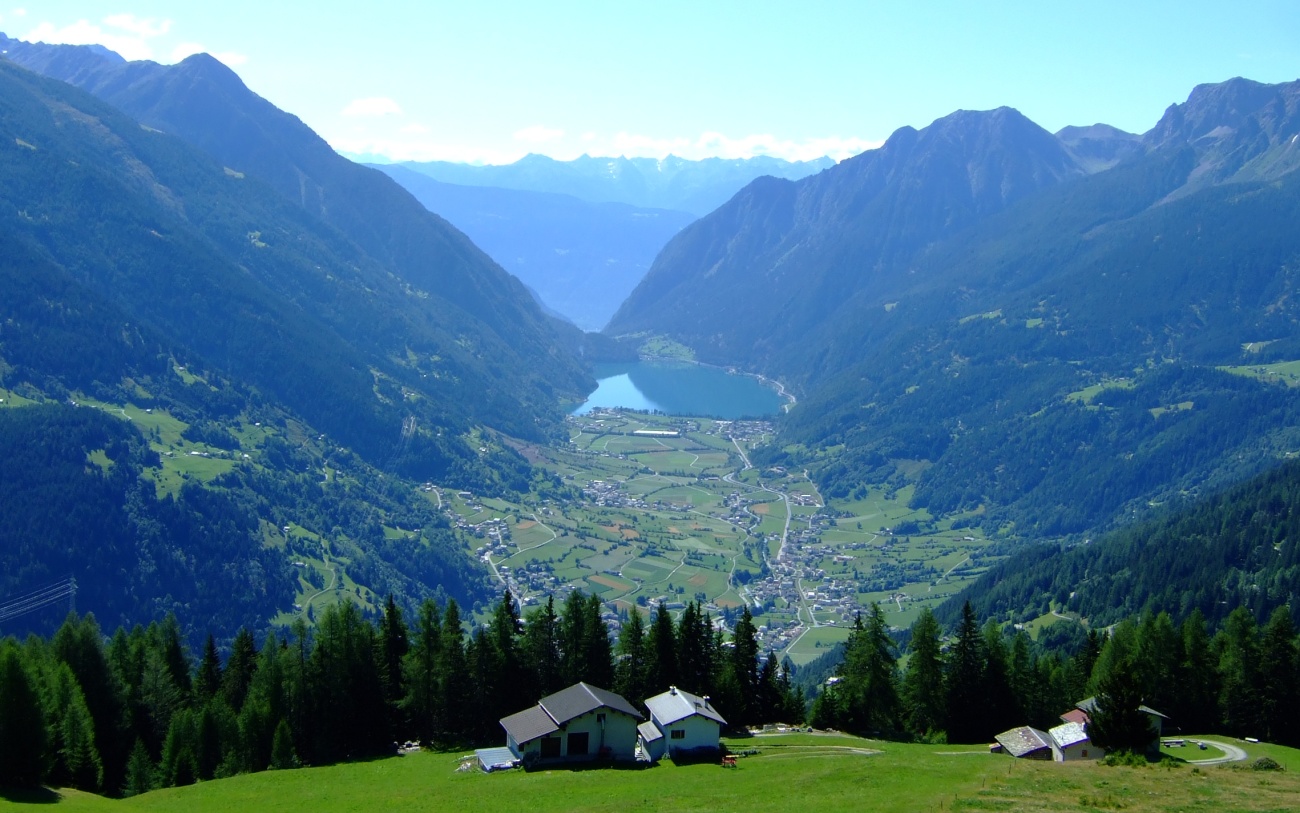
[550, 747]
[1085, 752]
[678, 734]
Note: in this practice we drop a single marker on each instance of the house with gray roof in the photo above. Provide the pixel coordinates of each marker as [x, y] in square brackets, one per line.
[582, 723]
[1072, 742]
[689, 723]
[1027, 742]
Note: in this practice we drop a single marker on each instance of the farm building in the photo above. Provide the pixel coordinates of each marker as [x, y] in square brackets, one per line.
[579, 724]
[1026, 742]
[650, 740]
[689, 723]
[1072, 742]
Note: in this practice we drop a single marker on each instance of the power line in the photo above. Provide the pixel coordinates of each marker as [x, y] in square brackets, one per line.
[40, 598]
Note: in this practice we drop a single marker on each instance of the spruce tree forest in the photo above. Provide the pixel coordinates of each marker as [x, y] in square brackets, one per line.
[136, 711]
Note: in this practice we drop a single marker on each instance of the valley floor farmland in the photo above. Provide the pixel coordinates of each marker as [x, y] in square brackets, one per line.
[669, 509]
[815, 773]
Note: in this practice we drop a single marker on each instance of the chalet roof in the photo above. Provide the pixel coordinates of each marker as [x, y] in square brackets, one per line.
[675, 704]
[529, 724]
[649, 732]
[1089, 705]
[1068, 734]
[1024, 740]
[1076, 716]
[581, 698]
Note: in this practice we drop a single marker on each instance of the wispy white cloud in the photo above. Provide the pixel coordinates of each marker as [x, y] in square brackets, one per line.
[124, 33]
[372, 106]
[144, 27]
[413, 129]
[538, 134]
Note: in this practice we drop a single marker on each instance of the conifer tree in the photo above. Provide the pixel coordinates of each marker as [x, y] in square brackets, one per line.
[454, 690]
[541, 651]
[22, 724]
[394, 643]
[207, 681]
[422, 672]
[140, 771]
[630, 671]
[239, 669]
[923, 681]
[598, 655]
[963, 682]
[661, 649]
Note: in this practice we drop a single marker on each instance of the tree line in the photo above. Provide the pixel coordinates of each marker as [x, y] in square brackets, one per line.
[136, 712]
[970, 686]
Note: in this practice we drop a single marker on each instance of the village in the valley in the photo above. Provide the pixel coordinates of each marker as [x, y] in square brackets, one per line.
[666, 510]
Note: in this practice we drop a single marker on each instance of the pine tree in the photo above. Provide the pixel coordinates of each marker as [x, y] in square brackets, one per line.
[661, 647]
[1116, 722]
[1277, 678]
[454, 690]
[140, 771]
[573, 639]
[1196, 706]
[963, 682]
[541, 651]
[598, 654]
[422, 674]
[1238, 669]
[22, 724]
[394, 643]
[239, 669]
[282, 753]
[923, 681]
[207, 682]
[630, 671]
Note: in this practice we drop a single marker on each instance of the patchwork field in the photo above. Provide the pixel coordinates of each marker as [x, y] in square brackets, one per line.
[680, 515]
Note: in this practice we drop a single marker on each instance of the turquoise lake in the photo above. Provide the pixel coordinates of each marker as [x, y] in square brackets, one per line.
[680, 389]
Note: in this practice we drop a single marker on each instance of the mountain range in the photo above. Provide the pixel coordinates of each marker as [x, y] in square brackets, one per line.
[207, 267]
[1022, 326]
[580, 258]
[679, 184]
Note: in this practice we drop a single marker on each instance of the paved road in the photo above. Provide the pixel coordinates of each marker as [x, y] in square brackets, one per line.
[1231, 754]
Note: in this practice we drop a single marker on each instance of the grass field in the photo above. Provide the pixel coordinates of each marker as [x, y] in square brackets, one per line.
[806, 772]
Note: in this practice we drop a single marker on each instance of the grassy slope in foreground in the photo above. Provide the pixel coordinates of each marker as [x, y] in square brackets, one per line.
[812, 773]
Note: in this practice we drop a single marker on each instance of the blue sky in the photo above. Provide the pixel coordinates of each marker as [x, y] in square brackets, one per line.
[491, 81]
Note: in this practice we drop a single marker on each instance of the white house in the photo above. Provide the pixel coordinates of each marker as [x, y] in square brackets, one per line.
[688, 722]
[1072, 743]
[579, 724]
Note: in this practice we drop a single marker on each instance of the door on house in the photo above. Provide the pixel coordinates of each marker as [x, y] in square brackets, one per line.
[578, 744]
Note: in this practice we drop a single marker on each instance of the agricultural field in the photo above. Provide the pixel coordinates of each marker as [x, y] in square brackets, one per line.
[830, 772]
[664, 509]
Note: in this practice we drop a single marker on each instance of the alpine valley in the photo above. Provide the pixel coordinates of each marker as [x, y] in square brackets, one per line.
[240, 372]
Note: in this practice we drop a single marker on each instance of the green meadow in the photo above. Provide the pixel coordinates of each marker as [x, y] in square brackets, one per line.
[813, 772]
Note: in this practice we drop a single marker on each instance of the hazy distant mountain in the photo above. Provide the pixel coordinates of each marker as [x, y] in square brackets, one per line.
[582, 259]
[675, 183]
[1099, 146]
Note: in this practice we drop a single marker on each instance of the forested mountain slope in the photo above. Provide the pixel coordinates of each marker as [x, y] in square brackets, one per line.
[484, 315]
[1238, 548]
[286, 366]
[1038, 362]
[748, 283]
